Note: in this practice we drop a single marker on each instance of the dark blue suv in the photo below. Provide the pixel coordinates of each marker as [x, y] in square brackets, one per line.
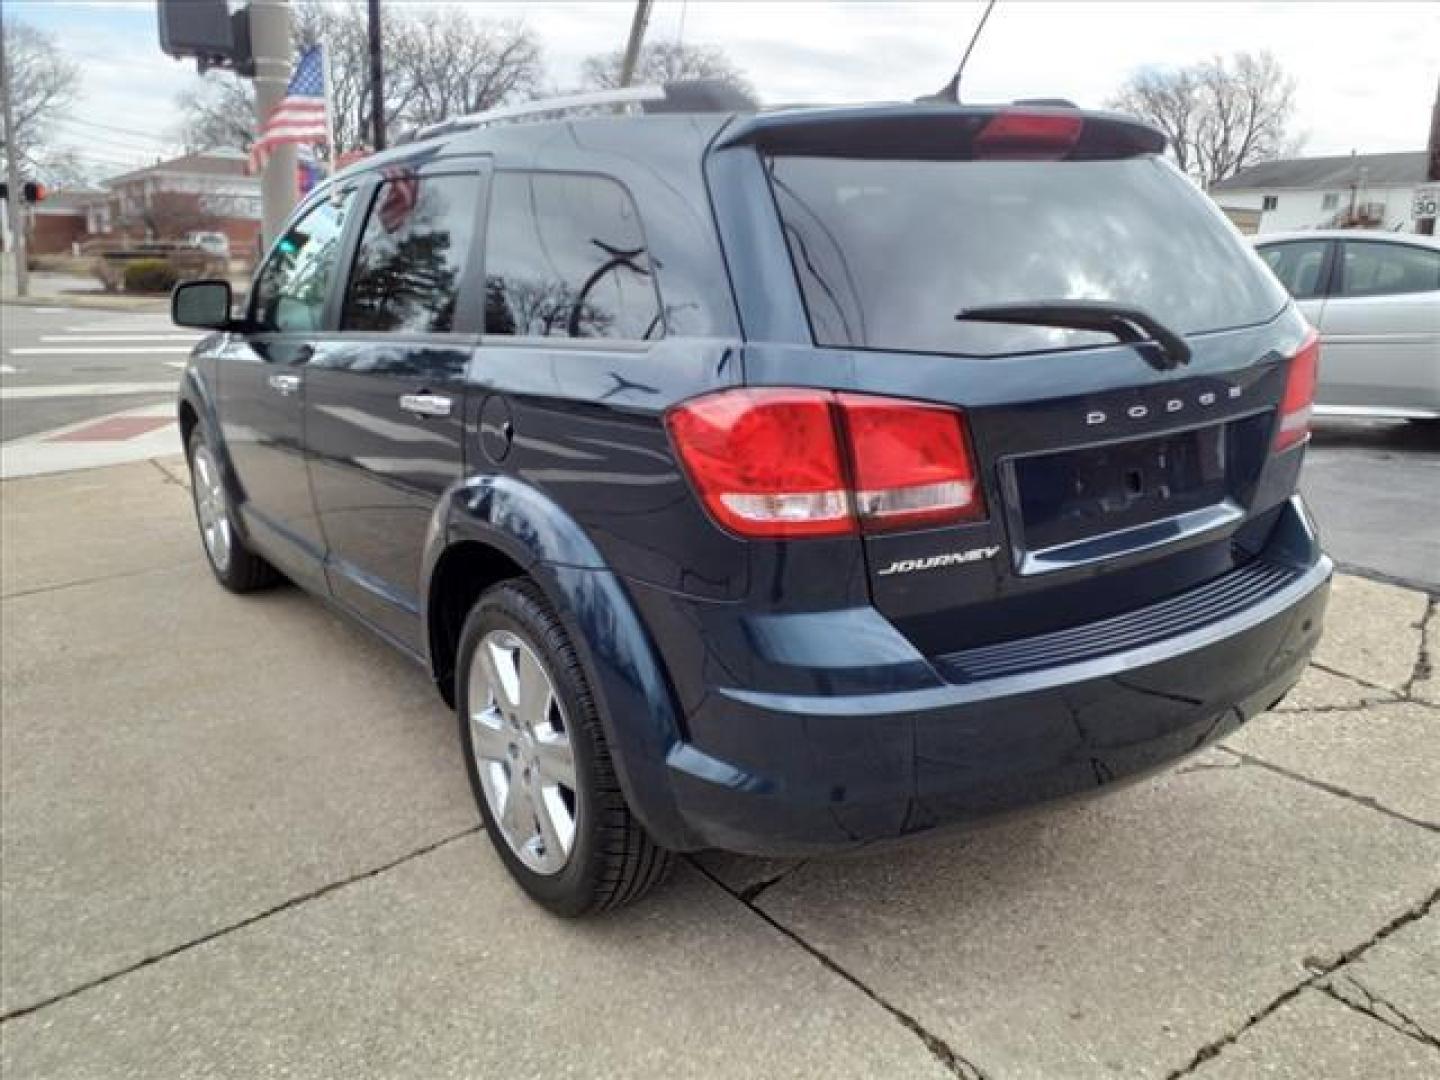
[774, 481]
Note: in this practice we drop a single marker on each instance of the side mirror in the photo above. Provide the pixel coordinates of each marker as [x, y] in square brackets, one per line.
[204, 305]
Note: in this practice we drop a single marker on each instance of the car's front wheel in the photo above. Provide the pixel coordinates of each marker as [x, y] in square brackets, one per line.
[538, 762]
[236, 567]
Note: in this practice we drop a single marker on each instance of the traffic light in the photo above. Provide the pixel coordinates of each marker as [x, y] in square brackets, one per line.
[30, 190]
[208, 32]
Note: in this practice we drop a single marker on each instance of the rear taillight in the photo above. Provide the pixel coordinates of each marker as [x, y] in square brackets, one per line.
[1027, 136]
[1295, 406]
[910, 463]
[789, 463]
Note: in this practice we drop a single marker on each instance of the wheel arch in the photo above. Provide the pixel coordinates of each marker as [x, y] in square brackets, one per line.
[488, 529]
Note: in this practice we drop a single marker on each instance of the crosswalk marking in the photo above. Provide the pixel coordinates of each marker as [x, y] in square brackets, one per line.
[121, 339]
[148, 327]
[108, 350]
[18, 393]
[6, 369]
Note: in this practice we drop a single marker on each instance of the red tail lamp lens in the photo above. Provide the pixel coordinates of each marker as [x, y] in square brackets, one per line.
[1299, 399]
[1024, 136]
[772, 462]
[765, 462]
[911, 464]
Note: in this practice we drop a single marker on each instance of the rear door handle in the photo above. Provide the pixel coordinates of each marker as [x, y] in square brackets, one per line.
[285, 384]
[426, 404]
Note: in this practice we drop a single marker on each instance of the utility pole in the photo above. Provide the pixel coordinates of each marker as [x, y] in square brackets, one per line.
[632, 47]
[377, 76]
[270, 45]
[15, 188]
[1432, 162]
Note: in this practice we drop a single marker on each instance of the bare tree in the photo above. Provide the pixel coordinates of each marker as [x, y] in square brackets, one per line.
[665, 61]
[438, 63]
[450, 65]
[1219, 116]
[218, 111]
[43, 84]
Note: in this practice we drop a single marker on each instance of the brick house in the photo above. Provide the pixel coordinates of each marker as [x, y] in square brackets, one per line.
[61, 221]
[209, 191]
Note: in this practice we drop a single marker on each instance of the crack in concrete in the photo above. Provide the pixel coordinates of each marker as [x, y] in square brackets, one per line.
[939, 1049]
[1377, 1008]
[41, 589]
[1321, 971]
[1423, 667]
[750, 892]
[250, 920]
[1367, 801]
[1354, 678]
[170, 478]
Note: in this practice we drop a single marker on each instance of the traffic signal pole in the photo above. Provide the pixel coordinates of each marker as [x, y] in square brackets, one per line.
[14, 186]
[270, 46]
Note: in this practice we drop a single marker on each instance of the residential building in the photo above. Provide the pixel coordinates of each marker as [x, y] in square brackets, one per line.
[61, 221]
[1374, 191]
[210, 190]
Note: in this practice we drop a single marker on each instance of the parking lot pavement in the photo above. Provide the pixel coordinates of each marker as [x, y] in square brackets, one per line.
[237, 841]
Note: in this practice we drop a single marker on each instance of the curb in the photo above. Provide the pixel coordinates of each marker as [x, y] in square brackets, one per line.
[98, 303]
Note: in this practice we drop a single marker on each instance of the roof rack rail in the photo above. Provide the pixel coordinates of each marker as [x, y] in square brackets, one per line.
[629, 95]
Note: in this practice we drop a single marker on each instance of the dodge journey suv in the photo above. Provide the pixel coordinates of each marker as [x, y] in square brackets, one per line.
[774, 481]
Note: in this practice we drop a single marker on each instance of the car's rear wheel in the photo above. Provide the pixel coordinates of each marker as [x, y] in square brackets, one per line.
[538, 762]
[235, 565]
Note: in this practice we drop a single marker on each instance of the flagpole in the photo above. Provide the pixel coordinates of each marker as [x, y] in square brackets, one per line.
[329, 108]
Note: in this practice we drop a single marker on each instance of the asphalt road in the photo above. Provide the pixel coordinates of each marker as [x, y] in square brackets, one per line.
[83, 364]
[1373, 486]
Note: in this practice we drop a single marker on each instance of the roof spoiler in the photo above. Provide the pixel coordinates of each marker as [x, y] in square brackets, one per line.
[938, 132]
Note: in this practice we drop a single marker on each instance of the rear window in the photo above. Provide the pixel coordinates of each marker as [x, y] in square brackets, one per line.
[887, 252]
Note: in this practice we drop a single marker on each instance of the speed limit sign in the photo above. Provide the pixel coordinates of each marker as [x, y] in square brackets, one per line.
[1427, 202]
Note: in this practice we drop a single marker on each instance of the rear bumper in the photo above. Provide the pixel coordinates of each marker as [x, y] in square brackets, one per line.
[788, 773]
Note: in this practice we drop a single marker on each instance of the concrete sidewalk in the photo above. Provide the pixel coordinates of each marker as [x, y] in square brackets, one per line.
[237, 841]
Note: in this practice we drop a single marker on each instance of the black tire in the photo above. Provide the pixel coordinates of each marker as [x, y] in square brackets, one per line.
[613, 861]
[242, 571]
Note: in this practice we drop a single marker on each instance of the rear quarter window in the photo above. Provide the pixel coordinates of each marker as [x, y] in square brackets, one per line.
[887, 252]
[565, 257]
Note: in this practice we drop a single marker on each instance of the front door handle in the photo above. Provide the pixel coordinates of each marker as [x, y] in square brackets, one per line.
[426, 404]
[285, 384]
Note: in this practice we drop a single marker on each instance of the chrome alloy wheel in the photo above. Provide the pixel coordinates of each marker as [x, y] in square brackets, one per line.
[211, 507]
[521, 742]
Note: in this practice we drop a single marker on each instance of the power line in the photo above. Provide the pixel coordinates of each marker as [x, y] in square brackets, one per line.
[111, 127]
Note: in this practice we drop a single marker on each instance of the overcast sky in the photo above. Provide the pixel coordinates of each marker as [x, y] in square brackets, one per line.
[1366, 73]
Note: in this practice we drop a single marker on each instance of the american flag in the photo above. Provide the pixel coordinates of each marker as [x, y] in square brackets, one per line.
[300, 116]
[402, 191]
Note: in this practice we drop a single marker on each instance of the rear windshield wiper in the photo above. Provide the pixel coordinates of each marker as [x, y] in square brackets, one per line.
[1129, 324]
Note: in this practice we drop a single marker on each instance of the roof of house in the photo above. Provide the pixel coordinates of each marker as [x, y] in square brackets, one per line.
[205, 163]
[1381, 170]
[69, 201]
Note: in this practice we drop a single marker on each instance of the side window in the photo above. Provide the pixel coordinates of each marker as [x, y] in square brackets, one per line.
[291, 290]
[1379, 269]
[1299, 266]
[412, 254]
[1269, 202]
[565, 257]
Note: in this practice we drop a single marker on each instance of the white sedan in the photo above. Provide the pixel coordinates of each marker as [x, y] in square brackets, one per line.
[1375, 298]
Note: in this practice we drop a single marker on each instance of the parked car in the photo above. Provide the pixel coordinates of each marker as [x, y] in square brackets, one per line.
[774, 481]
[214, 243]
[1375, 298]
